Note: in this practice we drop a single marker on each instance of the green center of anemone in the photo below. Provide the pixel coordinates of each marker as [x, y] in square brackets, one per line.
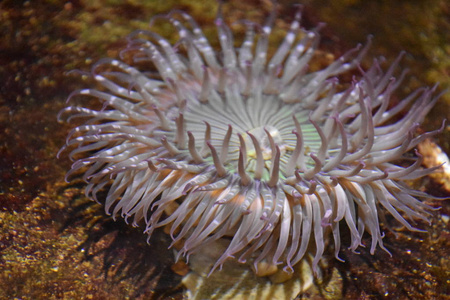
[268, 152]
[261, 134]
[270, 125]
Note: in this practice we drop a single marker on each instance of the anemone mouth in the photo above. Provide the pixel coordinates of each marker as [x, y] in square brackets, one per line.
[260, 151]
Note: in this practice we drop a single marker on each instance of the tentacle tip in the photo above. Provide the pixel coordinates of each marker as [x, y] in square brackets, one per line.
[338, 258]
[288, 269]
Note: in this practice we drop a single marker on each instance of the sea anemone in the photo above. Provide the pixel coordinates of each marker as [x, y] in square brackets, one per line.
[253, 149]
